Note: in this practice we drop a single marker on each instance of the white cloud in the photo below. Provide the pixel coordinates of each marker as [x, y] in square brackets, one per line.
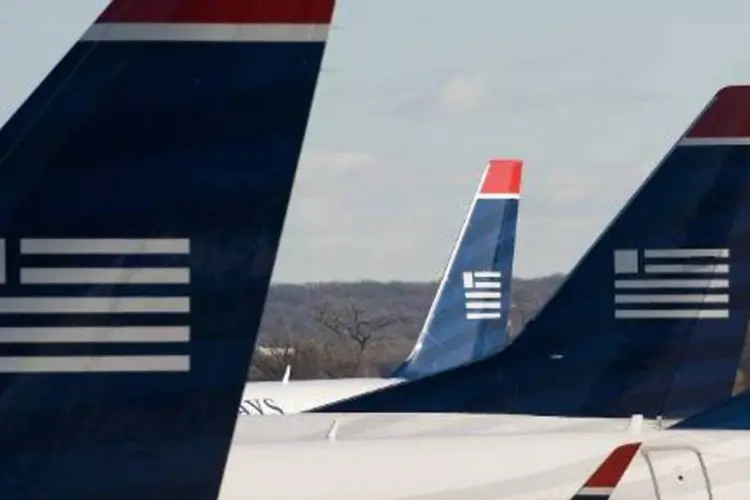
[323, 190]
[356, 223]
[590, 120]
[461, 94]
[336, 161]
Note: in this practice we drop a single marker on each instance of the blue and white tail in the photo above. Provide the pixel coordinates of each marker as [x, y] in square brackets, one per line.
[144, 188]
[652, 320]
[468, 319]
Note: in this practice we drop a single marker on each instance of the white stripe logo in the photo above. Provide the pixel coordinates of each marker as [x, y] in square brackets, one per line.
[483, 294]
[36, 293]
[686, 283]
[206, 32]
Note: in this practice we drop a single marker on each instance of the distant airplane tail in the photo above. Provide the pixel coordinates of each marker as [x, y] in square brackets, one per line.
[468, 319]
[652, 320]
[144, 188]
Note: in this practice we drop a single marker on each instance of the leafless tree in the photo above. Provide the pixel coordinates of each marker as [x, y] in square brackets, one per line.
[390, 313]
[270, 362]
[270, 359]
[354, 324]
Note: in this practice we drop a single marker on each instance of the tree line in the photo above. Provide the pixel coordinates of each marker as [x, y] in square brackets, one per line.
[359, 329]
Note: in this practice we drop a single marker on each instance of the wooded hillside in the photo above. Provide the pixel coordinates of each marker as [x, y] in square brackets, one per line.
[330, 330]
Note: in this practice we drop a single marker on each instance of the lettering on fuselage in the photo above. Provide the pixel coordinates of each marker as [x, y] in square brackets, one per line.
[260, 406]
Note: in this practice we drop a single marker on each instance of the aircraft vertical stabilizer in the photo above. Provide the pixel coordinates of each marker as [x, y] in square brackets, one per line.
[468, 319]
[144, 188]
[653, 320]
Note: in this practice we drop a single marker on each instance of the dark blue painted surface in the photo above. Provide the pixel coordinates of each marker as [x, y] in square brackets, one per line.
[450, 338]
[576, 359]
[733, 414]
[149, 140]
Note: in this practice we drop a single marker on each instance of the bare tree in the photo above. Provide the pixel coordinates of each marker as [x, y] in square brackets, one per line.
[270, 362]
[355, 324]
[380, 330]
[307, 359]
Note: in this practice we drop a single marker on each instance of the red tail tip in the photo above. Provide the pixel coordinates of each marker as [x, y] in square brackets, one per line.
[502, 177]
[727, 115]
[219, 11]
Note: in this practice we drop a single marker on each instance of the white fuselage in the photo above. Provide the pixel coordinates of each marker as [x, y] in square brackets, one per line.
[283, 398]
[465, 457]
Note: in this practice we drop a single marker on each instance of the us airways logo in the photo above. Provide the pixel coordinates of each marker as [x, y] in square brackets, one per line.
[685, 283]
[260, 406]
[483, 293]
[94, 305]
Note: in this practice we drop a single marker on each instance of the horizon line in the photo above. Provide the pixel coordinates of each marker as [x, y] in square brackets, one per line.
[393, 281]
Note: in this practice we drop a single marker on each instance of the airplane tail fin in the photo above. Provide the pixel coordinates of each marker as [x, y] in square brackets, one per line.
[144, 188]
[653, 319]
[733, 414]
[602, 483]
[468, 319]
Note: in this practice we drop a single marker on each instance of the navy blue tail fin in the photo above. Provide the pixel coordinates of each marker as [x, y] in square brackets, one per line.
[733, 414]
[144, 188]
[468, 319]
[652, 320]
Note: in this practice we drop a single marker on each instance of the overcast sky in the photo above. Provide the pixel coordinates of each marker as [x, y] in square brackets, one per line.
[416, 95]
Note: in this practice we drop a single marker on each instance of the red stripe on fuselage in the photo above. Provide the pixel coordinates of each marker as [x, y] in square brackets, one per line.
[613, 468]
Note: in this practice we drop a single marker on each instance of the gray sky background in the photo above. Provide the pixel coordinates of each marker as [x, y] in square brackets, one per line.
[416, 95]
